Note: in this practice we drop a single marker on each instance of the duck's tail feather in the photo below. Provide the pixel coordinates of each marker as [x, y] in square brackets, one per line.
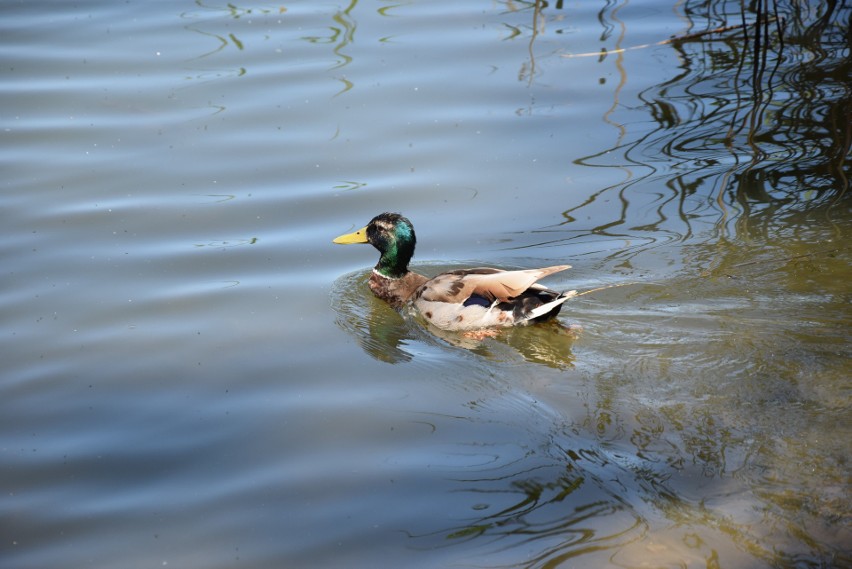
[548, 307]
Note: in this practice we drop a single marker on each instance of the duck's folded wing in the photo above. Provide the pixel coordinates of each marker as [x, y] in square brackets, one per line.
[491, 284]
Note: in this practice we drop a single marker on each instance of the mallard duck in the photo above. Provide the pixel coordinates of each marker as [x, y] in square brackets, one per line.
[464, 299]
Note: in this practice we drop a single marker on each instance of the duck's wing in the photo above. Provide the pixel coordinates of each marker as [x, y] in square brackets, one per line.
[456, 287]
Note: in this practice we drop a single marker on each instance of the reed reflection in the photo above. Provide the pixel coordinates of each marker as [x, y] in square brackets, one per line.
[224, 40]
[570, 500]
[341, 35]
[561, 503]
[563, 519]
[757, 121]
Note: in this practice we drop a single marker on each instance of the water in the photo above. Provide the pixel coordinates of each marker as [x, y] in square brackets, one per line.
[194, 376]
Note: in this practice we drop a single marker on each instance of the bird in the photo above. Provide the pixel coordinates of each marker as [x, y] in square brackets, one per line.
[480, 298]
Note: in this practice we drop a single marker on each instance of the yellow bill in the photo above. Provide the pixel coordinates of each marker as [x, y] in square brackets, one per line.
[359, 236]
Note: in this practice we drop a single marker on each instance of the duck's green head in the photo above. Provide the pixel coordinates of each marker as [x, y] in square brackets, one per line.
[393, 235]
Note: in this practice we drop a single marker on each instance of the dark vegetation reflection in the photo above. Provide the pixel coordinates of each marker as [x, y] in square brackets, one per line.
[567, 503]
[755, 130]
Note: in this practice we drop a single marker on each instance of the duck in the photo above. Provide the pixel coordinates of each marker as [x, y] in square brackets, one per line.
[480, 298]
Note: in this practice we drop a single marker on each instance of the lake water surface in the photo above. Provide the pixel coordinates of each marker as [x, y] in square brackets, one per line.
[193, 375]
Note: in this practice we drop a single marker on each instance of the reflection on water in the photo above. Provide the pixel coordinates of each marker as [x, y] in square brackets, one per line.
[380, 331]
[567, 504]
[754, 126]
[341, 34]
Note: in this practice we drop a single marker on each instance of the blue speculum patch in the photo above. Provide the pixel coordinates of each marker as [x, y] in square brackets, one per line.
[475, 299]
